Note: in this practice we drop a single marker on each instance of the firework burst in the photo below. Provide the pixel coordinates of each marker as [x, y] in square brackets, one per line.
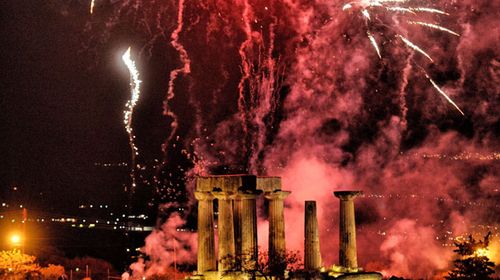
[135, 91]
[370, 10]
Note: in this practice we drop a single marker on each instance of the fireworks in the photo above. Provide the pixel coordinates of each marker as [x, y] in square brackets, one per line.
[135, 83]
[402, 7]
[92, 4]
[434, 26]
[443, 94]
[415, 47]
[374, 43]
[429, 10]
[185, 69]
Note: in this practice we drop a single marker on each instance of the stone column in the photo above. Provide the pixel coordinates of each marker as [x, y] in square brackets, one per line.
[277, 246]
[312, 255]
[248, 229]
[225, 228]
[347, 246]
[206, 245]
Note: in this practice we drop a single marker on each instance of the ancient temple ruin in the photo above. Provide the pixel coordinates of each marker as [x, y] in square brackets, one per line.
[237, 222]
[237, 246]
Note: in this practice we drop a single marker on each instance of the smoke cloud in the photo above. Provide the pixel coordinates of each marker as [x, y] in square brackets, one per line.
[165, 246]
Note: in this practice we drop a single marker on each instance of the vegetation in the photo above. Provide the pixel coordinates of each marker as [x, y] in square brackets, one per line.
[52, 272]
[264, 269]
[16, 265]
[472, 261]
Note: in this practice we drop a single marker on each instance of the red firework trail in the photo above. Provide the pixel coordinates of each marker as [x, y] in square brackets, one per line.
[245, 65]
[185, 69]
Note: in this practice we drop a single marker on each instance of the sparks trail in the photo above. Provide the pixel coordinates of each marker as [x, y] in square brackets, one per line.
[266, 84]
[92, 4]
[374, 43]
[259, 85]
[429, 10]
[185, 69]
[370, 9]
[443, 94]
[135, 83]
[434, 26]
[414, 47]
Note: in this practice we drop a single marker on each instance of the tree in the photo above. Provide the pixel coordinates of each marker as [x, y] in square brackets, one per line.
[263, 268]
[288, 262]
[52, 272]
[16, 265]
[472, 263]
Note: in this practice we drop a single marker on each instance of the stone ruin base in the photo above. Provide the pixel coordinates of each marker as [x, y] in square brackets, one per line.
[361, 276]
[335, 275]
[232, 275]
[301, 275]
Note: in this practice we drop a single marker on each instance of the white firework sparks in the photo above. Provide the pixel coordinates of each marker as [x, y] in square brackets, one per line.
[92, 3]
[374, 43]
[400, 9]
[434, 26]
[415, 47]
[135, 83]
[444, 94]
[429, 10]
[366, 14]
[370, 9]
[392, 1]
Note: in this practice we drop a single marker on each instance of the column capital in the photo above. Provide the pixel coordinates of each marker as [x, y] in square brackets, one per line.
[347, 195]
[276, 195]
[203, 195]
[220, 195]
[248, 194]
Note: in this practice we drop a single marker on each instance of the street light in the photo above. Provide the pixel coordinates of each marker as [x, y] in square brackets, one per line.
[15, 239]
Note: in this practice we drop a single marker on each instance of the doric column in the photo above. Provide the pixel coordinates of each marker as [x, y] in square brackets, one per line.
[347, 246]
[312, 255]
[206, 245]
[225, 228]
[277, 246]
[248, 229]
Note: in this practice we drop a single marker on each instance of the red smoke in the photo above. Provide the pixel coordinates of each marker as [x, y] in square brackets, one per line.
[164, 247]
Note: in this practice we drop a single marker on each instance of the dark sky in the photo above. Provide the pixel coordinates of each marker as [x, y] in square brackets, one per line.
[60, 112]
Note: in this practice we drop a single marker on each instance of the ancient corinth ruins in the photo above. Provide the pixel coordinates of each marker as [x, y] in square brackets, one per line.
[237, 248]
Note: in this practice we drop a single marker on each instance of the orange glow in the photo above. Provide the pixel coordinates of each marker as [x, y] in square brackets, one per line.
[15, 239]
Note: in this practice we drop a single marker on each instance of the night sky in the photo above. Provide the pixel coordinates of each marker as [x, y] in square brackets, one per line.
[60, 112]
[287, 88]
